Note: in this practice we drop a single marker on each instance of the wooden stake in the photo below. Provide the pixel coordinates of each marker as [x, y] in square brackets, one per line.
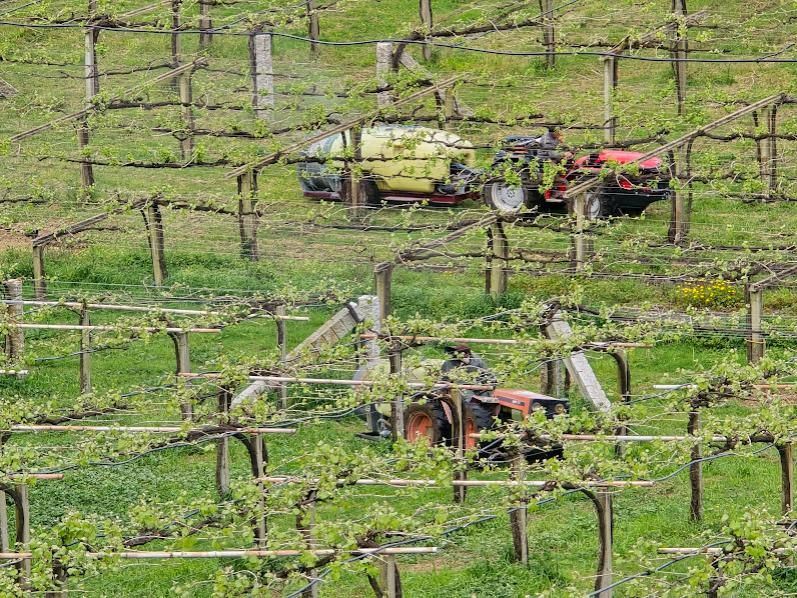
[609, 86]
[15, 340]
[392, 584]
[183, 357]
[695, 470]
[247, 215]
[91, 75]
[154, 224]
[186, 98]
[679, 52]
[397, 405]
[447, 108]
[205, 23]
[460, 439]
[223, 445]
[383, 275]
[39, 282]
[425, 9]
[85, 351]
[551, 374]
[4, 541]
[772, 151]
[176, 45]
[353, 185]
[499, 275]
[261, 64]
[579, 239]
[754, 298]
[86, 171]
[624, 387]
[678, 221]
[314, 26]
[22, 517]
[282, 343]
[603, 507]
[548, 32]
[518, 517]
[259, 470]
[4, 537]
[787, 476]
[384, 69]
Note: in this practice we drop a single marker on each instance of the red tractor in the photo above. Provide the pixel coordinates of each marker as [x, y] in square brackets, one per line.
[524, 163]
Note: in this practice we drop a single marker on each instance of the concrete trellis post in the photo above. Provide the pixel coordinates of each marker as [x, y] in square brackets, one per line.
[261, 65]
[384, 69]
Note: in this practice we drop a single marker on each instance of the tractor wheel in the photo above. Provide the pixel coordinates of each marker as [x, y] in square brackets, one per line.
[479, 417]
[426, 423]
[598, 204]
[371, 192]
[505, 198]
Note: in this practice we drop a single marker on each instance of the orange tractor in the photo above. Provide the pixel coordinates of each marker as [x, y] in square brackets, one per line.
[429, 416]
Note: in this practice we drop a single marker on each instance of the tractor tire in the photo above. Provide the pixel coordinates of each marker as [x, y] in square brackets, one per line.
[426, 422]
[479, 417]
[598, 204]
[504, 198]
[371, 192]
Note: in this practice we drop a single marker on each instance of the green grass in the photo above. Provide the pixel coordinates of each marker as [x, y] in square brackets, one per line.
[203, 252]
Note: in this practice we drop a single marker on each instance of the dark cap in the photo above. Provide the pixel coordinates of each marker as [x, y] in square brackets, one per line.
[460, 348]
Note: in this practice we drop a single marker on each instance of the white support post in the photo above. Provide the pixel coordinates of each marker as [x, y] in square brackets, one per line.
[609, 85]
[384, 70]
[261, 61]
[425, 9]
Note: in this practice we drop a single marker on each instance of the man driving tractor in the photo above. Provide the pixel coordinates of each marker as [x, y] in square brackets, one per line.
[471, 368]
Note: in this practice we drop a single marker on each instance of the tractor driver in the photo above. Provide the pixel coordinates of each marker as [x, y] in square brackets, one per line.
[461, 358]
[549, 143]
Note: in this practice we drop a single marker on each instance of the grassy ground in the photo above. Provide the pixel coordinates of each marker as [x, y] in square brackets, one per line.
[202, 252]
